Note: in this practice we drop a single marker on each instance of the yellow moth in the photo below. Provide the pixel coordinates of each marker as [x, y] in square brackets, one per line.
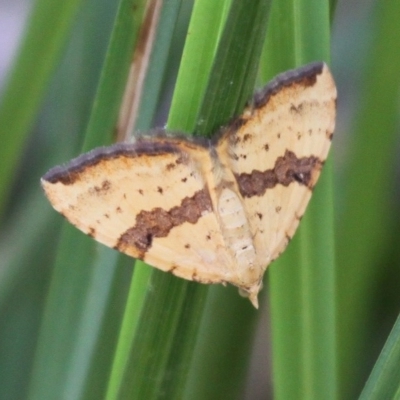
[212, 211]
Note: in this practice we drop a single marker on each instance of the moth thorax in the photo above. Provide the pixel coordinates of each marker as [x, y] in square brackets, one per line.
[235, 229]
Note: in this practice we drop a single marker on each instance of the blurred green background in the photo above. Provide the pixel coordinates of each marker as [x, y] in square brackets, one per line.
[43, 125]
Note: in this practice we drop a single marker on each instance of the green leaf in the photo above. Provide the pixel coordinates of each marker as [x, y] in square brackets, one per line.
[46, 34]
[302, 281]
[30, 233]
[105, 111]
[366, 224]
[166, 333]
[231, 83]
[158, 63]
[384, 381]
[140, 281]
[84, 275]
[196, 63]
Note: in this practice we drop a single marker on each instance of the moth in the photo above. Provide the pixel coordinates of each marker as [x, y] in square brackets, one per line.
[212, 211]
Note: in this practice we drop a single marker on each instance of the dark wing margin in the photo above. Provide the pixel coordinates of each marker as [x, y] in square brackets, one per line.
[68, 173]
[304, 76]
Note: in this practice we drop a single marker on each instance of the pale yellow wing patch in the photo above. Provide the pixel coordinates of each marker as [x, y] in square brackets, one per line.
[276, 150]
[194, 253]
[146, 199]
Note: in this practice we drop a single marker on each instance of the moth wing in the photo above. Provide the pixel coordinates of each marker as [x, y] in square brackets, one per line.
[148, 200]
[276, 151]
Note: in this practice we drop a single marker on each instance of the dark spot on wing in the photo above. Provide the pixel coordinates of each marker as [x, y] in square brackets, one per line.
[180, 160]
[247, 137]
[170, 166]
[99, 190]
[296, 109]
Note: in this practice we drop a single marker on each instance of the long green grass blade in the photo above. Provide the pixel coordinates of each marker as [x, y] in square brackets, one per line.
[79, 321]
[366, 224]
[30, 233]
[231, 83]
[24, 266]
[162, 47]
[163, 347]
[94, 384]
[196, 65]
[302, 282]
[105, 111]
[148, 380]
[79, 285]
[384, 381]
[222, 352]
[133, 309]
[45, 36]
[140, 279]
